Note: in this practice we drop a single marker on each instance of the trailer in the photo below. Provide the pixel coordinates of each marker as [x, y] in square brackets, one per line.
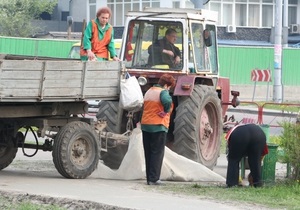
[48, 98]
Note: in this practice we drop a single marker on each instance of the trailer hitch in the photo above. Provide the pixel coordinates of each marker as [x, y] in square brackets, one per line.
[109, 139]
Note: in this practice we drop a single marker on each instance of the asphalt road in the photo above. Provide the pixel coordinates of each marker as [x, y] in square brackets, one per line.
[30, 178]
[38, 176]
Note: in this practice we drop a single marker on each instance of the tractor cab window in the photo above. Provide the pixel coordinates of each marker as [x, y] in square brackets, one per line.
[204, 48]
[154, 45]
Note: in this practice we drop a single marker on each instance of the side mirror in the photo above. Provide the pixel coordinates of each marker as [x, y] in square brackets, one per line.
[207, 38]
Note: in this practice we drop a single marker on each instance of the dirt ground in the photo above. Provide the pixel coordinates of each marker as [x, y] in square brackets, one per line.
[15, 198]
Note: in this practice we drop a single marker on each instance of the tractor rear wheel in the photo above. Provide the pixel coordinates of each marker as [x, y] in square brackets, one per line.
[198, 126]
[113, 115]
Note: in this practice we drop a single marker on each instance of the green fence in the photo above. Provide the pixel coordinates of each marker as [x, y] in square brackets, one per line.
[235, 62]
[238, 62]
[36, 47]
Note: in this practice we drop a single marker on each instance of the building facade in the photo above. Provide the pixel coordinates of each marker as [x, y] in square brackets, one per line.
[237, 20]
[239, 13]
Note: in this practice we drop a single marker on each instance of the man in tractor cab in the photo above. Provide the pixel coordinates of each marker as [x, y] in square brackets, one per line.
[164, 51]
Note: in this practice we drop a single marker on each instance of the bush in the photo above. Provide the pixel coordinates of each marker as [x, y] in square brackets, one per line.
[290, 143]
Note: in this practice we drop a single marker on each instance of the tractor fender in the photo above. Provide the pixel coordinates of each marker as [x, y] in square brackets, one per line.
[185, 84]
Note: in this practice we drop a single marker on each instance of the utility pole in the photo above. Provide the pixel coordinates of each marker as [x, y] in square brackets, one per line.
[277, 86]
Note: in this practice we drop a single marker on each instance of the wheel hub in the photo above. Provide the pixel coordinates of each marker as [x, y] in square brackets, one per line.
[80, 151]
[206, 129]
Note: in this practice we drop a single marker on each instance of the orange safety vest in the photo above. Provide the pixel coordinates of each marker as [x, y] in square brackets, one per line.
[99, 47]
[152, 106]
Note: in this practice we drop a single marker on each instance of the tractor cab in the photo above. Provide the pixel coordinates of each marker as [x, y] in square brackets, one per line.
[195, 39]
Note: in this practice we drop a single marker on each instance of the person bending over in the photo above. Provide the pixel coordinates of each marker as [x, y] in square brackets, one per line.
[245, 140]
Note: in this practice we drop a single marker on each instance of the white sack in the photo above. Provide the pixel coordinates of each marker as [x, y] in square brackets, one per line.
[131, 96]
[175, 167]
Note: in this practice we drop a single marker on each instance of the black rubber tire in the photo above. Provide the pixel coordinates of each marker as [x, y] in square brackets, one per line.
[76, 150]
[203, 106]
[116, 123]
[7, 154]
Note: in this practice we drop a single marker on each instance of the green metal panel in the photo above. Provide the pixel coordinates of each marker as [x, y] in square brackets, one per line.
[291, 67]
[238, 62]
[20, 46]
[57, 48]
[36, 47]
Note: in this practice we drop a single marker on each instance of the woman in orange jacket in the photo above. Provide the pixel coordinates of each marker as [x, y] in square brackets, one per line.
[155, 124]
[98, 40]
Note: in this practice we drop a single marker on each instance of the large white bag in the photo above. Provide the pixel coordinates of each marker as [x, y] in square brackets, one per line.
[131, 97]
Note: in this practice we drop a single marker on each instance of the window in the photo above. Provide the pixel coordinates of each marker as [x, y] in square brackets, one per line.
[241, 15]
[252, 13]
[92, 12]
[205, 54]
[176, 4]
[64, 15]
[227, 14]
[267, 15]
[216, 7]
[292, 19]
[145, 40]
[121, 7]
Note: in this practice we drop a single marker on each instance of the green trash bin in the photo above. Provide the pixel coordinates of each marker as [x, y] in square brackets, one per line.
[269, 164]
[266, 130]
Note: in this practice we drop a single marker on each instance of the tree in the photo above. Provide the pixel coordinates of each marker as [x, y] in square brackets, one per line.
[16, 16]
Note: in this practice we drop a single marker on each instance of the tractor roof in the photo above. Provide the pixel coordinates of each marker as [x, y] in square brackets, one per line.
[172, 13]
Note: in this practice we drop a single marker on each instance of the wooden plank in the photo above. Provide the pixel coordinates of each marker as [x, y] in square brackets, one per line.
[104, 66]
[20, 75]
[101, 83]
[62, 92]
[22, 84]
[19, 93]
[21, 65]
[62, 75]
[100, 92]
[22, 80]
[64, 65]
[113, 75]
[69, 93]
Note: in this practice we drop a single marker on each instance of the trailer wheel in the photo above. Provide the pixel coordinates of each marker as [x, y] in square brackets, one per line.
[198, 126]
[76, 150]
[110, 111]
[8, 153]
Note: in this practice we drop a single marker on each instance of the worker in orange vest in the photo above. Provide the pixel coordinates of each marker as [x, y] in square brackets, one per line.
[98, 40]
[155, 122]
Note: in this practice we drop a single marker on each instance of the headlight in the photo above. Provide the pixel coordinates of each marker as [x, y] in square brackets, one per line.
[142, 81]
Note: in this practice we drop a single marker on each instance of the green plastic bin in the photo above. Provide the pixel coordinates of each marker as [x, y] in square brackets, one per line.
[266, 130]
[269, 164]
